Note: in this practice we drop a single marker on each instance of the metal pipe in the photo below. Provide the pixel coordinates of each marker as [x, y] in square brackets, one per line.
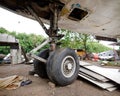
[31, 53]
[40, 46]
[39, 58]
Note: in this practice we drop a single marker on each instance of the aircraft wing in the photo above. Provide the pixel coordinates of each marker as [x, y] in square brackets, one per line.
[96, 17]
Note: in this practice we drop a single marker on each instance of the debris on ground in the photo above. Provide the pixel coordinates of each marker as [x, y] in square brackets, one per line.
[106, 78]
[40, 86]
[36, 75]
[52, 85]
[26, 82]
[13, 82]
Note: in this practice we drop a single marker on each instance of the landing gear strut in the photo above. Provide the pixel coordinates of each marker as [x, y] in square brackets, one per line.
[60, 65]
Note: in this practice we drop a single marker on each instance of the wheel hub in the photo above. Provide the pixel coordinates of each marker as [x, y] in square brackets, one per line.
[68, 66]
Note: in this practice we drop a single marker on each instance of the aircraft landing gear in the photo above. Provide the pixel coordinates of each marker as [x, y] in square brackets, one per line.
[60, 65]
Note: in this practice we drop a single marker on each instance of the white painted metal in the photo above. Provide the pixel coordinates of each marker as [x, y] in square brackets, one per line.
[103, 18]
[112, 74]
[39, 58]
[84, 63]
[88, 76]
[112, 89]
[104, 85]
[40, 46]
[93, 74]
[31, 53]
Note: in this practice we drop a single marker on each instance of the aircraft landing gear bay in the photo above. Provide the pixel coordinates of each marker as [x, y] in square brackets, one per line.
[60, 65]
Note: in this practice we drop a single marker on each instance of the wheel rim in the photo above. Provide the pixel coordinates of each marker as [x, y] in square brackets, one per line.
[68, 66]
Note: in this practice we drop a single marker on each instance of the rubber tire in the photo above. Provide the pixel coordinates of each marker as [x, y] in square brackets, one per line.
[54, 66]
[40, 67]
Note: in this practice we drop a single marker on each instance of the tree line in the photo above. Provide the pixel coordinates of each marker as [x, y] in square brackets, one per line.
[71, 39]
[82, 41]
[27, 41]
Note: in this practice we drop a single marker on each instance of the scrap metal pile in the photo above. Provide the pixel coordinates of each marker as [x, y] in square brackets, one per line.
[105, 78]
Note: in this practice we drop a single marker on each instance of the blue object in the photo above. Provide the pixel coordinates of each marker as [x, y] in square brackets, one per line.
[27, 82]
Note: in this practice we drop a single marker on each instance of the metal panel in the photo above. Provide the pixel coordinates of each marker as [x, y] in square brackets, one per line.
[84, 63]
[88, 76]
[112, 89]
[94, 75]
[112, 74]
[103, 17]
[104, 85]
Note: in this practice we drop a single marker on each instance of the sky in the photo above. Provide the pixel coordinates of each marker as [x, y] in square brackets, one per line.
[13, 22]
[106, 43]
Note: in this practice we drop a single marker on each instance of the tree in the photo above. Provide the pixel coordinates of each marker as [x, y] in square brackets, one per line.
[97, 47]
[81, 41]
[3, 30]
[28, 42]
[75, 40]
[85, 38]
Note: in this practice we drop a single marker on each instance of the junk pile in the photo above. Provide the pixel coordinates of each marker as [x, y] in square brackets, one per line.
[13, 82]
[105, 78]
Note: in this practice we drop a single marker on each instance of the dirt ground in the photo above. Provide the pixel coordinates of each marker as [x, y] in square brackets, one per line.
[42, 87]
